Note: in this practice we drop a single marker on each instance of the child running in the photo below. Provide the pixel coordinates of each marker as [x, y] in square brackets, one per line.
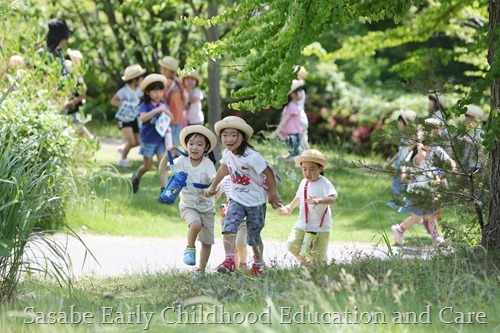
[309, 238]
[196, 209]
[127, 100]
[247, 169]
[152, 142]
[240, 257]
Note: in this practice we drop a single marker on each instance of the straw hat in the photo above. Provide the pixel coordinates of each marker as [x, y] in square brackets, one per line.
[75, 56]
[434, 122]
[438, 97]
[302, 73]
[311, 155]
[295, 85]
[68, 64]
[408, 115]
[132, 72]
[16, 61]
[194, 74]
[169, 63]
[201, 130]
[234, 122]
[153, 78]
[474, 111]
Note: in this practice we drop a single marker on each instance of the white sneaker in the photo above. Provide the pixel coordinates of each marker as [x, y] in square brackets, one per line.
[439, 241]
[124, 163]
[399, 237]
[120, 148]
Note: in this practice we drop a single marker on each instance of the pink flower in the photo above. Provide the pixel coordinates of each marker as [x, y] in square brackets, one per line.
[333, 121]
[323, 111]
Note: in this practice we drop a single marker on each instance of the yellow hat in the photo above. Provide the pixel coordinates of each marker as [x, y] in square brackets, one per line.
[153, 78]
[201, 130]
[311, 155]
[234, 122]
[169, 63]
[132, 72]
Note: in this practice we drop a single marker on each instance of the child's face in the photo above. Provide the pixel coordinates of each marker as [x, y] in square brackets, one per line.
[190, 82]
[297, 95]
[168, 73]
[231, 138]
[196, 146]
[311, 171]
[155, 95]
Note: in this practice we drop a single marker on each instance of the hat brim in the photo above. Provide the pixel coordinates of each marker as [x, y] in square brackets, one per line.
[230, 123]
[194, 76]
[166, 65]
[200, 129]
[153, 78]
[135, 75]
[314, 159]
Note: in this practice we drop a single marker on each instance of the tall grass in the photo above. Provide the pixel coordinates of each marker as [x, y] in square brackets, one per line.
[27, 194]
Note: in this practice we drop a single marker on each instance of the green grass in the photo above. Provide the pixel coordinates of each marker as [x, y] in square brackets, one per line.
[383, 289]
[359, 215]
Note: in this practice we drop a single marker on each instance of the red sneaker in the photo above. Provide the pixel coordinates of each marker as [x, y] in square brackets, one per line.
[227, 266]
[425, 222]
[257, 270]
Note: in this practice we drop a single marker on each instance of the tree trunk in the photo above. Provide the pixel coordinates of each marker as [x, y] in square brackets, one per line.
[491, 232]
[214, 99]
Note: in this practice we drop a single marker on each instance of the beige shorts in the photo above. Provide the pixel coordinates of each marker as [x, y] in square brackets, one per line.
[206, 235]
[296, 238]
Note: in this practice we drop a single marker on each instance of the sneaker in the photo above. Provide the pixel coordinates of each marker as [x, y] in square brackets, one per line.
[124, 163]
[393, 204]
[190, 256]
[399, 237]
[257, 269]
[197, 275]
[120, 148]
[439, 241]
[227, 266]
[135, 183]
[425, 222]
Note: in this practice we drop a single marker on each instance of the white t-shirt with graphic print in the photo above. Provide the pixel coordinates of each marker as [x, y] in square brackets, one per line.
[204, 173]
[246, 176]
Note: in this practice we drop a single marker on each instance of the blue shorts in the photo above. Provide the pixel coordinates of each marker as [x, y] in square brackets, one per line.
[176, 131]
[151, 149]
[397, 186]
[256, 217]
[409, 207]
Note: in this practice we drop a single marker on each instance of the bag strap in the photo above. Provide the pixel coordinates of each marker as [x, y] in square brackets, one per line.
[306, 207]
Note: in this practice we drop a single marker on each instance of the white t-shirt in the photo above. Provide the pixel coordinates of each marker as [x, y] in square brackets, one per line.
[246, 176]
[204, 173]
[194, 112]
[321, 188]
[424, 173]
[225, 186]
[127, 95]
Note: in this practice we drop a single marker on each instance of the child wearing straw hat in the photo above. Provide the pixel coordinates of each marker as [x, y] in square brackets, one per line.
[309, 238]
[197, 210]
[173, 95]
[247, 169]
[473, 156]
[127, 100]
[192, 98]
[152, 113]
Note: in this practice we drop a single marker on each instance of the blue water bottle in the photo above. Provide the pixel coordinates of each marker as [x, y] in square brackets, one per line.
[175, 185]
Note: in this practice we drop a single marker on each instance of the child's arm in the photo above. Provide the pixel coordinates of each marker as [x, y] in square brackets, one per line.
[145, 116]
[452, 163]
[221, 173]
[115, 101]
[322, 201]
[286, 210]
[163, 164]
[395, 157]
[274, 198]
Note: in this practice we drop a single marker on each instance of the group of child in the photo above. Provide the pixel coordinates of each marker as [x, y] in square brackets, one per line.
[417, 160]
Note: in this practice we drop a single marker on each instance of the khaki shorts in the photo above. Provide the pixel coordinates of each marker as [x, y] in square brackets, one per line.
[206, 235]
[296, 238]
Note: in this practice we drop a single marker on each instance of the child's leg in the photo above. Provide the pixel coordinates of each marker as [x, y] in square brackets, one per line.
[145, 167]
[163, 174]
[129, 136]
[295, 240]
[320, 252]
[235, 213]
[413, 219]
[206, 249]
[255, 223]
[241, 245]
[193, 231]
